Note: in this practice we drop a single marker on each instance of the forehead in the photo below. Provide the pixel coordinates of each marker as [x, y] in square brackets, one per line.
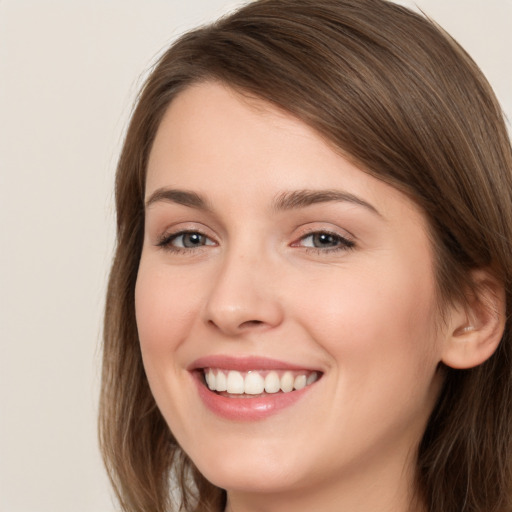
[211, 125]
[222, 145]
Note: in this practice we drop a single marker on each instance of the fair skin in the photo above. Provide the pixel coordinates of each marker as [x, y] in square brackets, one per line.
[251, 261]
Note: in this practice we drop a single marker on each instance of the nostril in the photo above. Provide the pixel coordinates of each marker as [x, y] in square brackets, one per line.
[248, 323]
[251, 323]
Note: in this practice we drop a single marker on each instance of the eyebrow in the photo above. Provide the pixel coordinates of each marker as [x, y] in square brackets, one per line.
[303, 198]
[183, 197]
[286, 201]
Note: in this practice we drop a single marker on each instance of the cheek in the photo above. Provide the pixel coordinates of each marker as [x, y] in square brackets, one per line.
[375, 319]
[165, 316]
[382, 342]
[164, 313]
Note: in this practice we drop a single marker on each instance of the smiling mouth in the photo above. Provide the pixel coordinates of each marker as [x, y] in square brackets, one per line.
[256, 383]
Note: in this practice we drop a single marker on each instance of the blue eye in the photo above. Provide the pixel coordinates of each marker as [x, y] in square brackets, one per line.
[325, 240]
[185, 240]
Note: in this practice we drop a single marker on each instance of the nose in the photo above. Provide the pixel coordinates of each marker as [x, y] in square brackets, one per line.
[243, 296]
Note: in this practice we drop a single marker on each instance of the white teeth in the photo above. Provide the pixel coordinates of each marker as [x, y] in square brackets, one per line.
[210, 379]
[235, 383]
[272, 383]
[312, 378]
[221, 382]
[254, 383]
[300, 382]
[287, 382]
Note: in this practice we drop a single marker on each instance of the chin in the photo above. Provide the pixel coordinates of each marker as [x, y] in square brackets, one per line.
[259, 481]
[251, 471]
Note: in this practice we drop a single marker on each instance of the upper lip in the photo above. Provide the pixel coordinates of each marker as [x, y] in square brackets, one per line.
[245, 364]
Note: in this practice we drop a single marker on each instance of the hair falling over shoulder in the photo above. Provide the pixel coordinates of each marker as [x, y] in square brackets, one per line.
[400, 98]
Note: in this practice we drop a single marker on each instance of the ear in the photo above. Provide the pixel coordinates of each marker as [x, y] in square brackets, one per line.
[476, 330]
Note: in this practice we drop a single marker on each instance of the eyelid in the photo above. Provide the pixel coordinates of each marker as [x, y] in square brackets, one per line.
[347, 241]
[182, 234]
[317, 227]
[164, 241]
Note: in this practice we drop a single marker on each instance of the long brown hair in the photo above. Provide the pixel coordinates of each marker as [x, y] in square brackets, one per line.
[399, 97]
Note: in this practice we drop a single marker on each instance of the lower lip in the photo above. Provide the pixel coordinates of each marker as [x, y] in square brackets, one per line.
[247, 409]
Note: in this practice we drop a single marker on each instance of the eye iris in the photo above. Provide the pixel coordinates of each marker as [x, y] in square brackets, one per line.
[324, 240]
[192, 239]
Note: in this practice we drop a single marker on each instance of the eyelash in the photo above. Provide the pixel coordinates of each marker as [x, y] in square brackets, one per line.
[166, 242]
[344, 243]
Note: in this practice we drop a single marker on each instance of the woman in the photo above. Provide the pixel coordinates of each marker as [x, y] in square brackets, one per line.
[309, 303]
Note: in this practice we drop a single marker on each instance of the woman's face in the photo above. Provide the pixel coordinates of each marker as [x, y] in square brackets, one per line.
[271, 262]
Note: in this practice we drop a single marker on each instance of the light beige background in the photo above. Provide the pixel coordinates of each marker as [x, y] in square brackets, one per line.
[69, 70]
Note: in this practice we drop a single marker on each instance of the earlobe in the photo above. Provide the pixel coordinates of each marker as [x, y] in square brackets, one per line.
[476, 330]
